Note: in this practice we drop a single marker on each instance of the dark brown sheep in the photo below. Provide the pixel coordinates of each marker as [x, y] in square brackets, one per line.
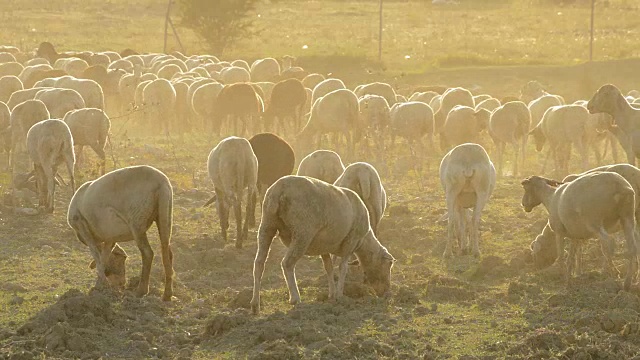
[287, 100]
[240, 104]
[275, 158]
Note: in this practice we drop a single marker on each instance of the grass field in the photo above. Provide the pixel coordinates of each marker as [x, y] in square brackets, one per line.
[494, 307]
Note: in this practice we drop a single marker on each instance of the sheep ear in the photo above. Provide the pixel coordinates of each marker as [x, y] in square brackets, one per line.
[525, 181]
[117, 250]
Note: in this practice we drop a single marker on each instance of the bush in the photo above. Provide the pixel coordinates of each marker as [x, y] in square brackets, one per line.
[218, 22]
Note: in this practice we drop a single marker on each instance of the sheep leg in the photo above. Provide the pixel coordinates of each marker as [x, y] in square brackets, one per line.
[475, 223]
[101, 154]
[629, 228]
[49, 173]
[294, 253]
[41, 185]
[328, 267]
[463, 244]
[223, 213]
[266, 233]
[342, 275]
[605, 245]
[452, 215]
[78, 153]
[69, 161]
[571, 261]
[560, 261]
[237, 211]
[147, 259]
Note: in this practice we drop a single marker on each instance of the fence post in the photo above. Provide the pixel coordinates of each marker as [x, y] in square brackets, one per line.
[593, 5]
[166, 26]
[380, 35]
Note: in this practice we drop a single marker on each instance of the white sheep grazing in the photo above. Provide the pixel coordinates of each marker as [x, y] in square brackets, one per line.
[468, 178]
[363, 178]
[23, 117]
[377, 88]
[126, 89]
[121, 64]
[315, 218]
[610, 200]
[477, 99]
[540, 105]
[436, 103]
[451, 98]
[89, 127]
[337, 113]
[50, 143]
[463, 125]
[11, 68]
[563, 126]
[424, 96]
[325, 165]
[8, 85]
[241, 63]
[412, 121]
[488, 104]
[138, 99]
[203, 102]
[72, 66]
[169, 71]
[60, 101]
[597, 131]
[324, 87]
[234, 75]
[375, 116]
[121, 206]
[510, 123]
[233, 167]
[265, 69]
[90, 90]
[159, 99]
[28, 70]
[21, 96]
[310, 81]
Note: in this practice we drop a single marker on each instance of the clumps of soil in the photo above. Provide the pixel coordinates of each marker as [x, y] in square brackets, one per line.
[517, 288]
[406, 296]
[447, 289]
[542, 340]
[242, 299]
[222, 323]
[489, 265]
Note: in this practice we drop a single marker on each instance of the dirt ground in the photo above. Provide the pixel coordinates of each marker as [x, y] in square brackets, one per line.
[494, 307]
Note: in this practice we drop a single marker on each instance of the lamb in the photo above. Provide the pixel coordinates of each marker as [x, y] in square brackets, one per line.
[60, 101]
[50, 143]
[451, 98]
[364, 180]
[264, 70]
[89, 127]
[324, 165]
[324, 87]
[299, 209]
[563, 126]
[287, 100]
[543, 248]
[608, 99]
[275, 158]
[121, 206]
[572, 215]
[463, 125]
[232, 167]
[468, 178]
[510, 123]
[8, 85]
[377, 88]
[412, 121]
[338, 113]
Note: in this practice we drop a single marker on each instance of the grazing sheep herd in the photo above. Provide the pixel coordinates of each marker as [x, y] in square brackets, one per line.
[52, 104]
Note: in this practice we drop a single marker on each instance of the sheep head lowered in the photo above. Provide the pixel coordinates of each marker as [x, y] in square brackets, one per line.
[543, 248]
[605, 100]
[533, 189]
[115, 268]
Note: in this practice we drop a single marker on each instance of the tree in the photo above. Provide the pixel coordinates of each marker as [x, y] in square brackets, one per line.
[218, 22]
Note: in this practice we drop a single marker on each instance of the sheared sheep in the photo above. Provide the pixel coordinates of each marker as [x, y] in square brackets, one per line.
[89, 127]
[451, 98]
[287, 101]
[377, 88]
[563, 126]
[608, 99]
[60, 101]
[299, 209]
[264, 69]
[578, 217]
[412, 121]
[232, 167]
[510, 123]
[120, 206]
[468, 178]
[337, 113]
[463, 125]
[540, 105]
[159, 98]
[49, 143]
[23, 117]
[375, 118]
[324, 87]
[325, 165]
[364, 180]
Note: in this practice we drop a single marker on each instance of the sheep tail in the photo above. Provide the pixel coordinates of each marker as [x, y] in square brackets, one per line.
[468, 172]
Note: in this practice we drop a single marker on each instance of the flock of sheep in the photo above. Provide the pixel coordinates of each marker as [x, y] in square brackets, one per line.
[51, 105]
